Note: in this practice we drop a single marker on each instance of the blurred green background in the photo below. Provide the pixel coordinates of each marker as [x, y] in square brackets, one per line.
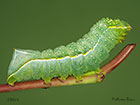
[42, 24]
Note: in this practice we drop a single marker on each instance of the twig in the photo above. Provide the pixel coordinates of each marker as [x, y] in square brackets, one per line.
[118, 59]
[90, 78]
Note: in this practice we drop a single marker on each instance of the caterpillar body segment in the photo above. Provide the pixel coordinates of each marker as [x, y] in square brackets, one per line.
[76, 58]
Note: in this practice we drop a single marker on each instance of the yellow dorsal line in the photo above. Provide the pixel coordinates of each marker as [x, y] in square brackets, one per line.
[117, 27]
[120, 27]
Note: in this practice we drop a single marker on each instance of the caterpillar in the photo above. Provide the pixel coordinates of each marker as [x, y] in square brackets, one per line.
[75, 59]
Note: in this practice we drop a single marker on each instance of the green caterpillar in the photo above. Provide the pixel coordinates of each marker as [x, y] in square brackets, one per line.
[74, 59]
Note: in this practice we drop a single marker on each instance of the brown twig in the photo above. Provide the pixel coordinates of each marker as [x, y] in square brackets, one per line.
[71, 80]
[118, 59]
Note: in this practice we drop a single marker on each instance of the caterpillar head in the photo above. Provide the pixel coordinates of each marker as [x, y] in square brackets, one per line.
[120, 27]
